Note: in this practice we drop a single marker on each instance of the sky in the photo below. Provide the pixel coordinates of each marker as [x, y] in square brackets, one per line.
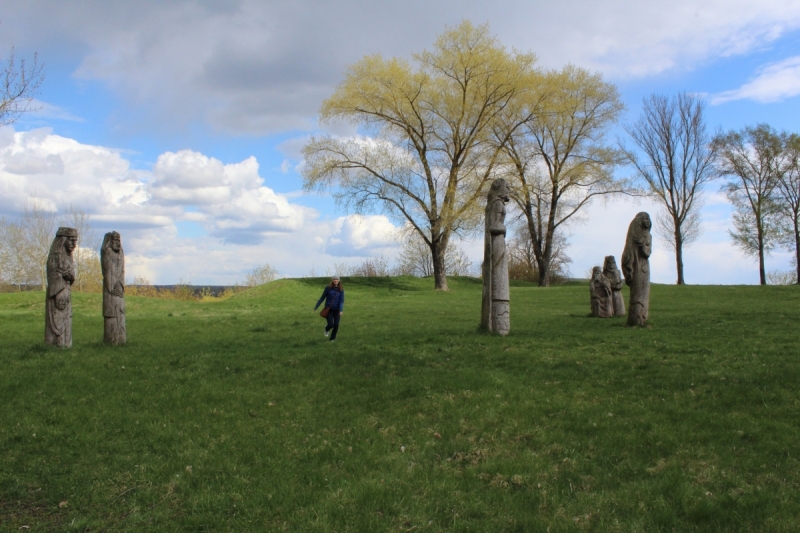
[180, 124]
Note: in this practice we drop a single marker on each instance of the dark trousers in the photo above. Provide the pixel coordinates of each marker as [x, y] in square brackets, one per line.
[333, 322]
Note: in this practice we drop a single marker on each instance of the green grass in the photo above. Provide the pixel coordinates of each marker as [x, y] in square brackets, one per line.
[238, 415]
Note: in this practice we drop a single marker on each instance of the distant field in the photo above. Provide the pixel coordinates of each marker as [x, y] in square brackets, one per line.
[238, 415]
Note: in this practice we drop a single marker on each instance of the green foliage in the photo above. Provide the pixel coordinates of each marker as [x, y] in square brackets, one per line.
[754, 159]
[238, 415]
[433, 125]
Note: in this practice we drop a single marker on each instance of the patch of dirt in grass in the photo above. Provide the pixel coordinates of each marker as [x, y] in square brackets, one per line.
[30, 515]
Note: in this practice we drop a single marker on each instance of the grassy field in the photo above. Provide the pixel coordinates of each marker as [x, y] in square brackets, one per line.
[238, 415]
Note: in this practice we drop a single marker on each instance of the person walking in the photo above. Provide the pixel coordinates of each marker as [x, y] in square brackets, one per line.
[334, 303]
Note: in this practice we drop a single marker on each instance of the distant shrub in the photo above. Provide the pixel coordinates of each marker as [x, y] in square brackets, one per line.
[261, 275]
[781, 277]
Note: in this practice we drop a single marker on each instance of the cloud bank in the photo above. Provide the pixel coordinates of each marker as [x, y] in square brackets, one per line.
[242, 222]
[254, 67]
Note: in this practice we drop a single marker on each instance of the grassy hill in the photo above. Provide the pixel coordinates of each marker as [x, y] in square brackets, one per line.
[238, 415]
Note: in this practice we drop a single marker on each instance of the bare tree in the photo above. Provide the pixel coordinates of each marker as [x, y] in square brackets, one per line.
[86, 257]
[260, 275]
[371, 267]
[19, 83]
[522, 262]
[677, 161]
[754, 158]
[39, 226]
[25, 245]
[14, 267]
[558, 160]
[415, 258]
[788, 191]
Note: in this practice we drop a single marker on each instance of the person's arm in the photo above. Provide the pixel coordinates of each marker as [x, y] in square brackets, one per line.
[321, 298]
[341, 303]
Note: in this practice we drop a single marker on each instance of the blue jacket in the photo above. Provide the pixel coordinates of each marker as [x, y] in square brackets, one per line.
[333, 299]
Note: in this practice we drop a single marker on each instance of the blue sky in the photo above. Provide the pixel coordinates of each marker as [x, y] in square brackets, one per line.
[180, 124]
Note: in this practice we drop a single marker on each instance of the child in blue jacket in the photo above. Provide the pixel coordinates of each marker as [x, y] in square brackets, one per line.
[334, 298]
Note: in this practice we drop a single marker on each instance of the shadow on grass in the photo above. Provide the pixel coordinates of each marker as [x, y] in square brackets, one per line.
[402, 283]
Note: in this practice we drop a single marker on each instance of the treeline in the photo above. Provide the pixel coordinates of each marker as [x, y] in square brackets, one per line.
[25, 245]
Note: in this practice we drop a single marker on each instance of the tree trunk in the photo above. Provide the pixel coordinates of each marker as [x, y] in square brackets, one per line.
[679, 253]
[761, 270]
[544, 270]
[797, 250]
[438, 248]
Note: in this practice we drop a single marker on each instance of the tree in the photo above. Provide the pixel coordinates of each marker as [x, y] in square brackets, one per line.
[558, 160]
[788, 192]
[260, 275]
[14, 267]
[86, 258]
[24, 247]
[522, 262]
[430, 156]
[678, 160]
[415, 258]
[39, 226]
[754, 158]
[19, 85]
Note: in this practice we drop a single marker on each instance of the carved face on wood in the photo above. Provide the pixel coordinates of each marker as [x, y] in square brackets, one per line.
[70, 243]
[610, 263]
[643, 220]
[499, 189]
[112, 241]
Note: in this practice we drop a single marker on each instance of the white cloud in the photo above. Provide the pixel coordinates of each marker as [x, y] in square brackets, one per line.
[774, 82]
[246, 224]
[256, 67]
[48, 111]
[362, 236]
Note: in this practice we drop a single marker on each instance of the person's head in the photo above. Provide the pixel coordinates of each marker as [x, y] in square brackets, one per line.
[336, 283]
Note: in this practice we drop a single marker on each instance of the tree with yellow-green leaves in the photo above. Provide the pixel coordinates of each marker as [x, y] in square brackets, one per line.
[430, 127]
[559, 160]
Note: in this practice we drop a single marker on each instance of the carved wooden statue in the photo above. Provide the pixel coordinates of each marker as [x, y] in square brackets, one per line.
[495, 307]
[612, 273]
[112, 261]
[60, 276]
[636, 268]
[600, 292]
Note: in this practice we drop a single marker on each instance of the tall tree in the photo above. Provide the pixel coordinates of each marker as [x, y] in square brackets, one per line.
[429, 156]
[676, 161]
[26, 244]
[754, 158]
[558, 160]
[19, 83]
[14, 267]
[415, 258]
[789, 197]
[39, 226]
